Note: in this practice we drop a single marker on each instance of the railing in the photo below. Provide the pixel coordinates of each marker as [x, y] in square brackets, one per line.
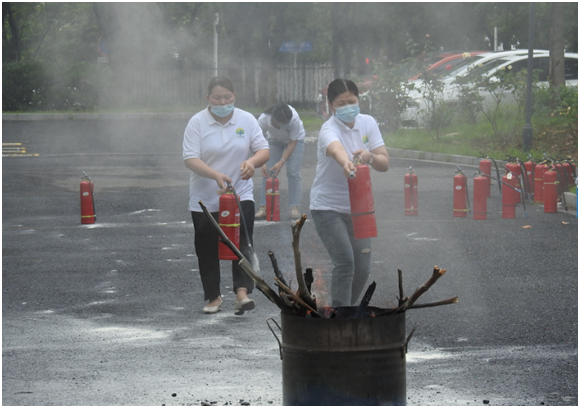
[189, 86]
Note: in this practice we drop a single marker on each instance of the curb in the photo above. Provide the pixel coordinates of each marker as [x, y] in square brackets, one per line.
[439, 157]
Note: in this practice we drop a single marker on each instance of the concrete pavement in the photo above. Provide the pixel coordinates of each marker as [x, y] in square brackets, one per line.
[110, 313]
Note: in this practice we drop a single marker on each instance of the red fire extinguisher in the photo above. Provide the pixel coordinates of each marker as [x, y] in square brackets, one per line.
[480, 189]
[362, 205]
[530, 170]
[539, 182]
[229, 221]
[272, 198]
[485, 168]
[508, 197]
[550, 191]
[411, 193]
[460, 206]
[516, 170]
[87, 201]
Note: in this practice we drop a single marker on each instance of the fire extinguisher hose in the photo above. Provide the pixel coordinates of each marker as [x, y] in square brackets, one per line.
[525, 182]
[563, 197]
[254, 261]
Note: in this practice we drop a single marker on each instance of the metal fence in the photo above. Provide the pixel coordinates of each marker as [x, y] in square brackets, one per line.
[188, 86]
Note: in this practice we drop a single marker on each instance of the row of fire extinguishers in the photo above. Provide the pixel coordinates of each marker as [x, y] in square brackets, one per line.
[544, 181]
[360, 192]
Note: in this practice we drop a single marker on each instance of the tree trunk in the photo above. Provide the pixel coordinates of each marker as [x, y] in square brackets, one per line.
[13, 50]
[557, 77]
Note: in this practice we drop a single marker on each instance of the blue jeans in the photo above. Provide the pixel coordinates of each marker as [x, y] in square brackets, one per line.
[351, 257]
[292, 171]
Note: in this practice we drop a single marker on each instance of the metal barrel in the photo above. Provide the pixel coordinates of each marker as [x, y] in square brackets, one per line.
[344, 361]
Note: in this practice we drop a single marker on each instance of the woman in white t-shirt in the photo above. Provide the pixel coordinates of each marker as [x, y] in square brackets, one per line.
[285, 133]
[222, 144]
[346, 134]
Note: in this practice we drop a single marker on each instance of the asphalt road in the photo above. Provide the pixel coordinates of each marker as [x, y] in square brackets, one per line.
[110, 313]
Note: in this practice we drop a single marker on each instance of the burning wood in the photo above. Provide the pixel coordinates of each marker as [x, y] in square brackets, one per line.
[303, 302]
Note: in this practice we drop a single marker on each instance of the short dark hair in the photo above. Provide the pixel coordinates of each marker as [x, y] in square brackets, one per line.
[220, 81]
[281, 113]
[340, 86]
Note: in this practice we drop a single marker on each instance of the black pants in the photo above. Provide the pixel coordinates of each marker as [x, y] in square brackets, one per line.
[206, 249]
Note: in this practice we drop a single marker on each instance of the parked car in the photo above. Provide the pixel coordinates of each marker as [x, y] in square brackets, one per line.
[467, 64]
[489, 70]
[445, 65]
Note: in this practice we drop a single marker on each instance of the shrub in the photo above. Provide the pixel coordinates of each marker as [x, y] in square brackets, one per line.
[22, 84]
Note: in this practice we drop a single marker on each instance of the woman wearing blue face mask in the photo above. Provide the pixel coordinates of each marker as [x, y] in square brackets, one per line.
[285, 133]
[216, 145]
[346, 134]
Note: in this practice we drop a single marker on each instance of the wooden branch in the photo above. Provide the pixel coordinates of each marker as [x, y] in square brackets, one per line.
[437, 273]
[245, 265]
[401, 293]
[296, 298]
[277, 270]
[308, 279]
[366, 300]
[284, 296]
[303, 291]
[449, 301]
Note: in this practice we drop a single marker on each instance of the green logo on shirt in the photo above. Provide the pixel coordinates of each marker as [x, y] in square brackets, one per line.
[240, 132]
[365, 139]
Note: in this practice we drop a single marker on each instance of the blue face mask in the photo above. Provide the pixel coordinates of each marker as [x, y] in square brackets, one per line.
[222, 110]
[347, 113]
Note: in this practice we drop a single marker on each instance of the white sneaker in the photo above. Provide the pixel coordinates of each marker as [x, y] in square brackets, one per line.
[295, 212]
[261, 214]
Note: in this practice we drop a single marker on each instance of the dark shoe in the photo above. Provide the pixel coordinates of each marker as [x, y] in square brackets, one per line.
[240, 306]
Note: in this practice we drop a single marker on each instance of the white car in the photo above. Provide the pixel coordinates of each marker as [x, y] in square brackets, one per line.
[468, 64]
[515, 63]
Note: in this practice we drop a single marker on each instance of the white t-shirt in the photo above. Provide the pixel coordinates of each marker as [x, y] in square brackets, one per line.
[330, 187]
[293, 131]
[223, 148]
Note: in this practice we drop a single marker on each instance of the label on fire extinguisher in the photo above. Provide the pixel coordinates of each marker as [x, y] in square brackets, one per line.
[509, 176]
[458, 187]
[225, 214]
[86, 193]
